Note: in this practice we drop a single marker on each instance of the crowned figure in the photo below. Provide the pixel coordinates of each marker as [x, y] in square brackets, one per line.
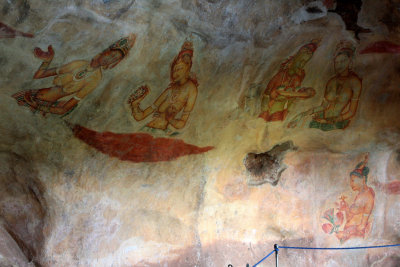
[285, 87]
[341, 97]
[171, 110]
[72, 81]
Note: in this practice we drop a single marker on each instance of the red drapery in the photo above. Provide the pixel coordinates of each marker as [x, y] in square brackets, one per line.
[137, 147]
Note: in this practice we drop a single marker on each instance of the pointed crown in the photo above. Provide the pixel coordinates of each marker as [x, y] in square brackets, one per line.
[312, 46]
[124, 44]
[345, 47]
[361, 170]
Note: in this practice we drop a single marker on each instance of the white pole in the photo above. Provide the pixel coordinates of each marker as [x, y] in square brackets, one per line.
[276, 255]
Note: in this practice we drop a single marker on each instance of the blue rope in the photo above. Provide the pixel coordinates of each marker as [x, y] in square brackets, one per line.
[264, 258]
[384, 246]
[277, 249]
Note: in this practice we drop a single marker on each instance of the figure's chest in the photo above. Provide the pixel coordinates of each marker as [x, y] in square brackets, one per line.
[178, 94]
[339, 91]
[83, 73]
[290, 80]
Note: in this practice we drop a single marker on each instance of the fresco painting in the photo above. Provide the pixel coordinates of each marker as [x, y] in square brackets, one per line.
[172, 108]
[9, 32]
[286, 86]
[162, 171]
[352, 219]
[137, 147]
[341, 97]
[72, 81]
[170, 111]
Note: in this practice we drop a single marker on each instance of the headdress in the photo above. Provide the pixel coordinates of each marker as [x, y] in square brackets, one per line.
[361, 169]
[345, 47]
[186, 50]
[311, 46]
[124, 44]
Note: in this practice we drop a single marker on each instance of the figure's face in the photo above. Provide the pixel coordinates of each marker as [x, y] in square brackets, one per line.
[341, 63]
[107, 59]
[180, 72]
[356, 182]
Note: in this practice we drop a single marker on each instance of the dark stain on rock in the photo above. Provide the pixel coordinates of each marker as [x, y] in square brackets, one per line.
[348, 10]
[156, 4]
[23, 8]
[313, 9]
[398, 155]
[391, 17]
[123, 10]
[5, 9]
[19, 186]
[267, 167]
[3, 61]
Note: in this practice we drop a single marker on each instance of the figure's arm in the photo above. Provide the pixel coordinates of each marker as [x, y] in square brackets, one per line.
[181, 122]
[273, 86]
[47, 57]
[60, 110]
[301, 93]
[139, 114]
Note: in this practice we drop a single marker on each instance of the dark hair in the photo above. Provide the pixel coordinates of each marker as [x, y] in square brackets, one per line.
[361, 173]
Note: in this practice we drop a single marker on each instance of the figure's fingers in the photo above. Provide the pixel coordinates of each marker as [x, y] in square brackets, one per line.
[38, 52]
[50, 50]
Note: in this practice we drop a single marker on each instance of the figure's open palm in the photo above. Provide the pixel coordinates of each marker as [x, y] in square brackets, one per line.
[45, 56]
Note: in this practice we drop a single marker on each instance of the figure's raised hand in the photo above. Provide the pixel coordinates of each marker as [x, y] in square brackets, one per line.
[45, 56]
[138, 95]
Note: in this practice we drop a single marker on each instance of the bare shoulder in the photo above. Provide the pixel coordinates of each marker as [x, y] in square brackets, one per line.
[332, 82]
[191, 87]
[354, 78]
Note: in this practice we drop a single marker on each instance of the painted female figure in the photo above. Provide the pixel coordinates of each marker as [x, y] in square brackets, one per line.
[285, 87]
[358, 213]
[172, 108]
[341, 96]
[74, 80]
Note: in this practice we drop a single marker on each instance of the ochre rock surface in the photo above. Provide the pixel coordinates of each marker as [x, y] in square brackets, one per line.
[262, 74]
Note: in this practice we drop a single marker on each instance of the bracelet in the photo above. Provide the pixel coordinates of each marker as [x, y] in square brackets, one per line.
[135, 108]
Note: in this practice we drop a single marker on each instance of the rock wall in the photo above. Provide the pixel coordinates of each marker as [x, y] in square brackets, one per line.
[199, 133]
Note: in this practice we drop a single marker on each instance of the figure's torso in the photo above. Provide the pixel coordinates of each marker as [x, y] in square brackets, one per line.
[363, 203]
[77, 76]
[173, 104]
[338, 95]
[286, 82]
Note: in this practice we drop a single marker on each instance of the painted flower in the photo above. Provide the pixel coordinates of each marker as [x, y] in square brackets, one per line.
[329, 215]
[327, 227]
